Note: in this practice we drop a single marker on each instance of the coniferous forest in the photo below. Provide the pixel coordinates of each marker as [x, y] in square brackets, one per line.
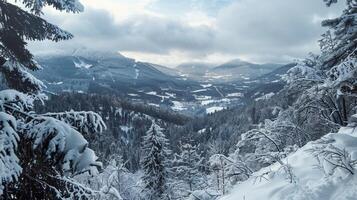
[139, 102]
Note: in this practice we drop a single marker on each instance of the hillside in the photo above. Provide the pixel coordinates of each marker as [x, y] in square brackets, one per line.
[303, 177]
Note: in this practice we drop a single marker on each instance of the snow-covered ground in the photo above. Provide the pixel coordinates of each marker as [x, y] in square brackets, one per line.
[311, 180]
[178, 106]
[236, 94]
[82, 64]
[214, 109]
[265, 97]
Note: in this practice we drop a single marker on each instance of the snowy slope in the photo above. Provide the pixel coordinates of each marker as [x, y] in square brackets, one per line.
[312, 181]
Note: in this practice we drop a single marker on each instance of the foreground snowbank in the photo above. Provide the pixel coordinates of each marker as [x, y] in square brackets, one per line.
[312, 180]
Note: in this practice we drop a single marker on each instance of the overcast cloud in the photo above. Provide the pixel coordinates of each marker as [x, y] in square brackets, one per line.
[166, 33]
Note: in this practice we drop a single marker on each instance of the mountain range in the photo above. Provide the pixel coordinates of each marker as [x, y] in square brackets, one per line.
[190, 87]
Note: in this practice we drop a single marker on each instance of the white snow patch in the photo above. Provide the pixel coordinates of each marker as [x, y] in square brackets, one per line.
[214, 109]
[265, 97]
[152, 93]
[82, 64]
[137, 73]
[202, 97]
[208, 102]
[206, 85]
[201, 90]
[201, 131]
[178, 106]
[56, 83]
[126, 129]
[237, 94]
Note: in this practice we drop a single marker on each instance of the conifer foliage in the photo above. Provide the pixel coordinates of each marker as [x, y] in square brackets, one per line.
[18, 25]
[154, 163]
[39, 154]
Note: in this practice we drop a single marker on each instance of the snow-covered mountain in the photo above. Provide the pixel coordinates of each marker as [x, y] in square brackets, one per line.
[85, 71]
[234, 70]
[194, 70]
[193, 88]
[237, 70]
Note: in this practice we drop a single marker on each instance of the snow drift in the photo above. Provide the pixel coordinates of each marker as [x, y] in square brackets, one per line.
[321, 170]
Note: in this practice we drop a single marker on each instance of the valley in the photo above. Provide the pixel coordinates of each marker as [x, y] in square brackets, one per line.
[193, 89]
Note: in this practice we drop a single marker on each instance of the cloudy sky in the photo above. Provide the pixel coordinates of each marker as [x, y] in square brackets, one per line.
[170, 32]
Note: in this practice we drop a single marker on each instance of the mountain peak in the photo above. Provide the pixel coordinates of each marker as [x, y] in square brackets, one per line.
[98, 55]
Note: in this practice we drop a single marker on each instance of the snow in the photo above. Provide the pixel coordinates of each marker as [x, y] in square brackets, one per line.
[206, 85]
[153, 104]
[163, 97]
[265, 97]
[203, 195]
[172, 95]
[208, 102]
[201, 131]
[178, 106]
[214, 109]
[201, 90]
[137, 73]
[82, 65]
[10, 169]
[57, 137]
[152, 93]
[56, 83]
[126, 129]
[202, 97]
[237, 94]
[23, 101]
[15, 67]
[313, 181]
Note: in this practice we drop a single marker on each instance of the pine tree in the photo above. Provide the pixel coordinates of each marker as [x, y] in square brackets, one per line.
[39, 153]
[18, 25]
[339, 55]
[154, 163]
[344, 37]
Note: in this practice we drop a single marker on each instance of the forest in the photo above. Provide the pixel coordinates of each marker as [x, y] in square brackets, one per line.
[297, 141]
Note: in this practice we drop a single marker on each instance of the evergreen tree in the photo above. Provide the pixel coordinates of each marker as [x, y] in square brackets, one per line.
[39, 154]
[18, 25]
[343, 41]
[154, 163]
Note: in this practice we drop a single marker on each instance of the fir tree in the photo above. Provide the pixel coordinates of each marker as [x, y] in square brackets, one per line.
[18, 25]
[39, 154]
[154, 163]
[344, 36]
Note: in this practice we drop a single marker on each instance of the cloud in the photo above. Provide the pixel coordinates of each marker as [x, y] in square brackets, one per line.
[256, 30]
[274, 28]
[97, 29]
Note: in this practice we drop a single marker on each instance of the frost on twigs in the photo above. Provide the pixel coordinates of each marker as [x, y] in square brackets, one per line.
[333, 155]
[337, 152]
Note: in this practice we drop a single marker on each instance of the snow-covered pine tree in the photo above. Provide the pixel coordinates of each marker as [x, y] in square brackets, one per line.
[343, 42]
[187, 166]
[154, 163]
[330, 81]
[339, 55]
[38, 153]
[18, 25]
